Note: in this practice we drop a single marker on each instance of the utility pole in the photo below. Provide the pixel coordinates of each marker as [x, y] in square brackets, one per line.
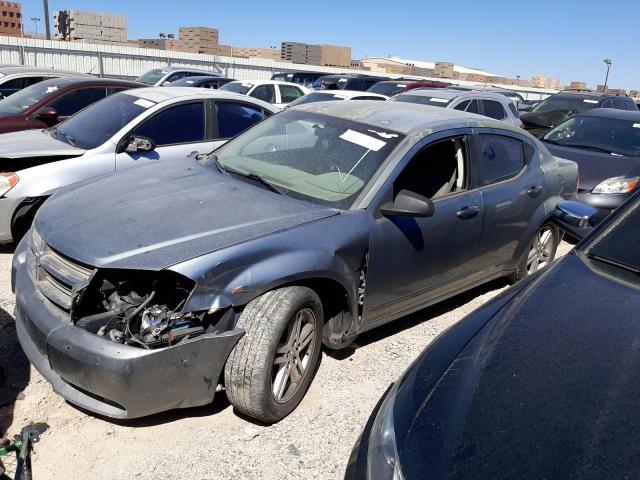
[35, 21]
[608, 62]
[46, 19]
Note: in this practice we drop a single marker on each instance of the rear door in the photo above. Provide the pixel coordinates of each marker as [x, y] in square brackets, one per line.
[288, 93]
[508, 175]
[266, 93]
[179, 131]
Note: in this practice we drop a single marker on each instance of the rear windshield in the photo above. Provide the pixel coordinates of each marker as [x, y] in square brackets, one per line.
[237, 87]
[317, 97]
[422, 99]
[570, 103]
[388, 89]
[152, 76]
[26, 98]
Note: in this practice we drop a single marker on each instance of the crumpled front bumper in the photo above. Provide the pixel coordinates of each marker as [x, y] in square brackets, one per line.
[108, 378]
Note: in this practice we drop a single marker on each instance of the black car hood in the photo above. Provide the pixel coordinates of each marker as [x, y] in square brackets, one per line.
[156, 216]
[594, 167]
[546, 119]
[547, 389]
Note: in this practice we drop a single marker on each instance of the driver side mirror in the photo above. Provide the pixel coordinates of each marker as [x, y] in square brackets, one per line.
[139, 144]
[576, 218]
[48, 115]
[408, 204]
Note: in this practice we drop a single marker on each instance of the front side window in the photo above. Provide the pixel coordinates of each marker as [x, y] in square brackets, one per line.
[498, 158]
[74, 101]
[319, 158]
[289, 93]
[235, 117]
[176, 76]
[152, 76]
[178, 124]
[12, 86]
[493, 109]
[264, 92]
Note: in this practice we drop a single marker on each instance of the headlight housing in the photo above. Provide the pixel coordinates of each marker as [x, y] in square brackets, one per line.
[8, 180]
[382, 454]
[617, 185]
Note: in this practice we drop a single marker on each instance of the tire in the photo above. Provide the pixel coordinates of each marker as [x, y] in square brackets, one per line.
[540, 252]
[270, 352]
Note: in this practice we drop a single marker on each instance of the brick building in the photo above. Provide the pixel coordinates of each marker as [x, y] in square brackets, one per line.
[10, 18]
[308, 54]
[74, 25]
[199, 40]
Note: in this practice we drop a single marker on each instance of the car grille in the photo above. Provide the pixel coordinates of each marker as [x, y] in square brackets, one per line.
[57, 275]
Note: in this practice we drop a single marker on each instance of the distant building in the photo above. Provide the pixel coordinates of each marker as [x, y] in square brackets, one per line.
[542, 81]
[199, 40]
[402, 66]
[443, 70]
[307, 54]
[160, 43]
[577, 85]
[74, 25]
[10, 19]
[249, 52]
[601, 89]
[634, 93]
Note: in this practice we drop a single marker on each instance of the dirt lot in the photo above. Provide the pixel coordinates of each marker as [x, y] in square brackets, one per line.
[212, 442]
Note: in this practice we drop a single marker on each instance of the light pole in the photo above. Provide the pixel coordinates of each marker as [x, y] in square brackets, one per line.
[606, 79]
[35, 21]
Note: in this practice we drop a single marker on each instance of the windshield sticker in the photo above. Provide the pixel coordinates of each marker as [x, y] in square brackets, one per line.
[363, 140]
[636, 125]
[341, 97]
[51, 89]
[401, 85]
[189, 81]
[588, 100]
[440, 100]
[384, 134]
[248, 85]
[144, 103]
[342, 80]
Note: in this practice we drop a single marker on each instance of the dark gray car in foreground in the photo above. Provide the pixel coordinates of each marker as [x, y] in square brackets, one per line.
[145, 290]
[541, 382]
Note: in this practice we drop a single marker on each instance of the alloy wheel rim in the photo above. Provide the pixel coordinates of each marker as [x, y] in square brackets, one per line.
[541, 251]
[293, 356]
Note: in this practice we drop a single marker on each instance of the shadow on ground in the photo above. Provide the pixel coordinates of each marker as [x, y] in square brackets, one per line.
[14, 370]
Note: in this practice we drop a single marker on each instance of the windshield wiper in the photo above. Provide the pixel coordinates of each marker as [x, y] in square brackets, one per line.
[254, 176]
[588, 147]
[615, 263]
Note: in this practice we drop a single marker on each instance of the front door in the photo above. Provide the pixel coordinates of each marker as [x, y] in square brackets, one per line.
[415, 260]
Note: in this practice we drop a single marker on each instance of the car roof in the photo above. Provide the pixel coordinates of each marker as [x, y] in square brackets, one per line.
[400, 116]
[582, 93]
[64, 82]
[349, 93]
[163, 94]
[451, 94]
[182, 69]
[612, 113]
[202, 79]
[19, 69]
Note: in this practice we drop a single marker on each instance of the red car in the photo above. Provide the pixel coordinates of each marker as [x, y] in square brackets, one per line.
[394, 87]
[51, 101]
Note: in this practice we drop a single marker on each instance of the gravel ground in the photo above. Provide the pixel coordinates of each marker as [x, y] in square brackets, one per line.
[212, 442]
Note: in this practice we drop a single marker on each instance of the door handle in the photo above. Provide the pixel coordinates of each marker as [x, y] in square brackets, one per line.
[468, 212]
[534, 191]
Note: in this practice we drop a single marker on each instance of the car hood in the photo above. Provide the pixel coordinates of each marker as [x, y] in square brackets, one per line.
[594, 167]
[159, 215]
[547, 388]
[34, 143]
[546, 119]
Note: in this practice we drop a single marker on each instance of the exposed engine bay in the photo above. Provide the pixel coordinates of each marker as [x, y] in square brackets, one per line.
[142, 311]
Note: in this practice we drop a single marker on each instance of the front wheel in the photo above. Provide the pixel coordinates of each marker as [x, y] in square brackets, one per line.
[270, 369]
[541, 252]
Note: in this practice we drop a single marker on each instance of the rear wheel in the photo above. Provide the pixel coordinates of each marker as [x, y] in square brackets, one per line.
[270, 369]
[541, 252]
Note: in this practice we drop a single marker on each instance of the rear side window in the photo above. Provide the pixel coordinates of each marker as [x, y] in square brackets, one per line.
[264, 92]
[470, 106]
[618, 103]
[289, 93]
[607, 104]
[631, 105]
[235, 117]
[180, 124]
[494, 109]
[498, 158]
[69, 103]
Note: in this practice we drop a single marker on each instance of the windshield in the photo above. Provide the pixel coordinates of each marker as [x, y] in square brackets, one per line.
[613, 135]
[237, 87]
[322, 159]
[91, 127]
[317, 97]
[618, 249]
[388, 89]
[422, 99]
[569, 103]
[26, 98]
[152, 76]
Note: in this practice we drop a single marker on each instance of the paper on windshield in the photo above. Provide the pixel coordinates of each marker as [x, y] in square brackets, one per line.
[588, 100]
[51, 89]
[440, 100]
[636, 125]
[363, 140]
[144, 103]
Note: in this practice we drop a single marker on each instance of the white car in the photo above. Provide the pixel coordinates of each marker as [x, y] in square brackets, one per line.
[492, 105]
[277, 93]
[14, 78]
[135, 127]
[166, 75]
[332, 95]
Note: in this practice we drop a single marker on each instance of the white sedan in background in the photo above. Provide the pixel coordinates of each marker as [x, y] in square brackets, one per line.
[135, 127]
[333, 95]
[274, 92]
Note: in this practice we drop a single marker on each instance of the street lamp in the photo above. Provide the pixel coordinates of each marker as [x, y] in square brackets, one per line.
[35, 21]
[606, 79]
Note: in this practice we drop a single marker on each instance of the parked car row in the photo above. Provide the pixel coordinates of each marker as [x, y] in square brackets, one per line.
[172, 234]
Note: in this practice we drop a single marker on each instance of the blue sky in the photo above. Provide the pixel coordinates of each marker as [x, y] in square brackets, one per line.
[563, 38]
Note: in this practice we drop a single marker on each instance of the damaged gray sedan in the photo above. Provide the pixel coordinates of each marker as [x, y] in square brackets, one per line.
[148, 289]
